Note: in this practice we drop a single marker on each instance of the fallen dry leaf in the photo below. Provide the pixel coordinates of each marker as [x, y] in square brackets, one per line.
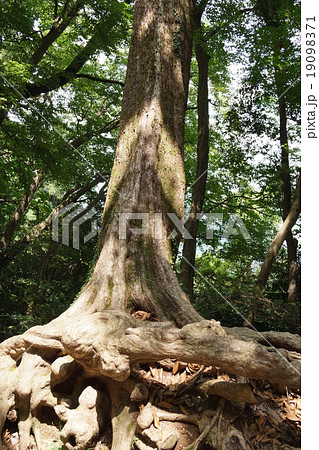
[154, 371]
[156, 421]
[183, 377]
[292, 416]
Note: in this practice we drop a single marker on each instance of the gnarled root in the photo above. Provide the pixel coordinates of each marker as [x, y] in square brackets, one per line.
[38, 368]
[84, 423]
[8, 381]
[123, 414]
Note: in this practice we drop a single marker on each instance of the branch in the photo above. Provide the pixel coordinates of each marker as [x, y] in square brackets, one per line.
[20, 210]
[65, 76]
[34, 233]
[195, 445]
[55, 8]
[225, 23]
[55, 31]
[109, 126]
[100, 80]
[200, 8]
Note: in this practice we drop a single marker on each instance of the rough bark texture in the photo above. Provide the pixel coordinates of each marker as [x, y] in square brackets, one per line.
[148, 174]
[189, 247]
[279, 239]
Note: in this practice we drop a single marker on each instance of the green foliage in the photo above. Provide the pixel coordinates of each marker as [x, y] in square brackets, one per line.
[65, 133]
[244, 166]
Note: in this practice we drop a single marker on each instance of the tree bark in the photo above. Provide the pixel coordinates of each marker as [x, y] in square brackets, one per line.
[148, 172]
[20, 210]
[199, 187]
[279, 239]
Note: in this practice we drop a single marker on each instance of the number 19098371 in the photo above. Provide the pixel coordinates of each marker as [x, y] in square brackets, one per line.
[310, 47]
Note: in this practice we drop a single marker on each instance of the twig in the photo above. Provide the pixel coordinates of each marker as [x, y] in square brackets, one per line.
[99, 79]
[208, 429]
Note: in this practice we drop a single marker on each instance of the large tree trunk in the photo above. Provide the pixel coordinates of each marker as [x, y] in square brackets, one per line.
[95, 344]
[148, 173]
[189, 247]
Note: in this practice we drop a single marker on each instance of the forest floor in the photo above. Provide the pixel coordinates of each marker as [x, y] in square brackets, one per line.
[182, 410]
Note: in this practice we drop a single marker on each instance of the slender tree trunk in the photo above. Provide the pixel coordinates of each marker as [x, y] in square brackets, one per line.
[35, 232]
[53, 249]
[279, 239]
[32, 306]
[292, 243]
[199, 187]
[270, 17]
[269, 14]
[20, 210]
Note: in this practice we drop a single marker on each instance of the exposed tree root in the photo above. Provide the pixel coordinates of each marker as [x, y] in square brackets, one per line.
[123, 414]
[278, 339]
[84, 423]
[82, 371]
